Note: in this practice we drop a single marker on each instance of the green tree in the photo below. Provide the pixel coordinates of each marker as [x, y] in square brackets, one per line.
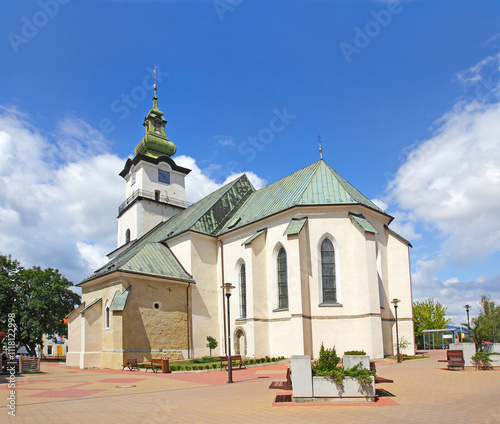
[212, 343]
[9, 270]
[486, 326]
[428, 315]
[39, 300]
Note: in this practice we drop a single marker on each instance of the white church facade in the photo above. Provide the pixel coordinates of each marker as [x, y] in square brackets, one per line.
[311, 258]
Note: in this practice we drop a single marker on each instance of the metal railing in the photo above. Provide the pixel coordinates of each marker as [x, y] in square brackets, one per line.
[144, 194]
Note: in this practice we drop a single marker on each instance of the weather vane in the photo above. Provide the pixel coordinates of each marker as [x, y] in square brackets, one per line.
[320, 150]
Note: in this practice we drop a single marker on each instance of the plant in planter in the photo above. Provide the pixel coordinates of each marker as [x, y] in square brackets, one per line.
[326, 363]
[355, 352]
[482, 360]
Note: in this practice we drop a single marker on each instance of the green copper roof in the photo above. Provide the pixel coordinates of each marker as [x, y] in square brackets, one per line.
[233, 206]
[120, 300]
[295, 226]
[363, 223]
[397, 235]
[155, 142]
[317, 184]
[90, 305]
[150, 256]
[256, 235]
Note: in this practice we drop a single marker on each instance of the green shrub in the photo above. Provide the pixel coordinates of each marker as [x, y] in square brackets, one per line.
[363, 375]
[355, 352]
[482, 360]
[252, 361]
[268, 359]
[205, 359]
[327, 361]
[207, 367]
[214, 366]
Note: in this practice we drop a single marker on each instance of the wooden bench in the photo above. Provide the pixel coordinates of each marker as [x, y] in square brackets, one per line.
[235, 361]
[131, 363]
[154, 366]
[454, 358]
[283, 385]
[377, 378]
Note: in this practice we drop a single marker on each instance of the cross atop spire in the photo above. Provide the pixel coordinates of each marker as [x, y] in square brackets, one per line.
[155, 79]
[320, 150]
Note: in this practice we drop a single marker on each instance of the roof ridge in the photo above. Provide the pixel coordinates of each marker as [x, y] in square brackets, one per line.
[349, 187]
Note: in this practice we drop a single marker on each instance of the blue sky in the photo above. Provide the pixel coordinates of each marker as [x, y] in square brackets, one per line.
[404, 96]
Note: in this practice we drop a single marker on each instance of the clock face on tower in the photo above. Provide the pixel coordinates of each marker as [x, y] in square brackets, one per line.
[163, 176]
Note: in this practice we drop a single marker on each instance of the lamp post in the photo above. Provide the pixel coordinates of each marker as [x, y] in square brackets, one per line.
[395, 303]
[227, 288]
[467, 308]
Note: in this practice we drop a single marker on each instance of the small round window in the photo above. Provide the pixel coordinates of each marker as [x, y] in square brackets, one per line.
[157, 306]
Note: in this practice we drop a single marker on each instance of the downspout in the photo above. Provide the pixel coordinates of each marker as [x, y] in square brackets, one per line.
[187, 319]
[223, 303]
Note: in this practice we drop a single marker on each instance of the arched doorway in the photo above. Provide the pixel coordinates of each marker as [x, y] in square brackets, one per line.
[240, 342]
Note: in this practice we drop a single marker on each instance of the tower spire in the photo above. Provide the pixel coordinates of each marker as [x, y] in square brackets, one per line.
[155, 142]
[155, 87]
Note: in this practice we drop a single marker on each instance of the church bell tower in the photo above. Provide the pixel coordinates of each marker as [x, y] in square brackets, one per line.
[154, 183]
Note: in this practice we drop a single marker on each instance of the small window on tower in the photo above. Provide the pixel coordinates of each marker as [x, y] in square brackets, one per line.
[163, 176]
[133, 178]
[157, 195]
[127, 236]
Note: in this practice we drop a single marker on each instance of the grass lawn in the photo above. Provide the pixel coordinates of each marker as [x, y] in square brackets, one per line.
[410, 357]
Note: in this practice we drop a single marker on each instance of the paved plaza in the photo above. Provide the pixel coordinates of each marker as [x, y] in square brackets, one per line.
[422, 392]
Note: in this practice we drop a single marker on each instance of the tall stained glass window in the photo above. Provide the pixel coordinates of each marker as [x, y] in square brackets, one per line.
[328, 272]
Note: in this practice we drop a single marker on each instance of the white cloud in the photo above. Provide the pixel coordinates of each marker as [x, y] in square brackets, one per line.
[59, 194]
[452, 181]
[199, 183]
[56, 195]
[452, 293]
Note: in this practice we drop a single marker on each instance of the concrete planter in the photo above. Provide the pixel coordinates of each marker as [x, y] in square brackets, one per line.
[349, 361]
[350, 390]
[307, 388]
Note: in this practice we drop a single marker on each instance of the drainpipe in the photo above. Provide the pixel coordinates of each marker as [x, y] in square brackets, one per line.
[187, 319]
[223, 303]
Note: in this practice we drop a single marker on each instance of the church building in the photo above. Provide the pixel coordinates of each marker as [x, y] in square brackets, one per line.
[312, 261]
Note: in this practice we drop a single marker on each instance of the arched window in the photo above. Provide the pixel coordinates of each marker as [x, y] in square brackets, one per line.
[243, 291]
[328, 272]
[282, 280]
[127, 236]
[106, 318]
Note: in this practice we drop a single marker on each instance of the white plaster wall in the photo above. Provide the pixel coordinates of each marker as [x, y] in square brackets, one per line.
[356, 324]
[206, 293]
[399, 286]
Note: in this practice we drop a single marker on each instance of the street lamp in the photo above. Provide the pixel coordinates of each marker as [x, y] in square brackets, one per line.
[467, 307]
[227, 288]
[395, 303]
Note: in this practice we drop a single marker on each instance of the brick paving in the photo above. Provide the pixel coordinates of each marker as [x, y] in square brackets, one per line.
[423, 392]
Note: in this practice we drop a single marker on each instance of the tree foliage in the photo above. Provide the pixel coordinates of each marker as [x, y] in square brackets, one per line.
[428, 315]
[39, 300]
[486, 326]
[212, 344]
